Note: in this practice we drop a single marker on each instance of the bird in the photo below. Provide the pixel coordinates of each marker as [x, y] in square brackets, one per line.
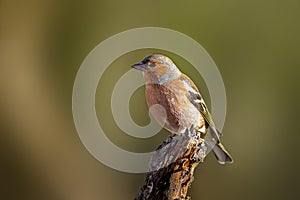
[181, 100]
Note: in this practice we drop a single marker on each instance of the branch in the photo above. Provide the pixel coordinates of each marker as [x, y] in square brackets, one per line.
[172, 167]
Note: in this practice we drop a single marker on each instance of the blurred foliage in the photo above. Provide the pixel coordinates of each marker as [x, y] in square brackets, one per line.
[254, 43]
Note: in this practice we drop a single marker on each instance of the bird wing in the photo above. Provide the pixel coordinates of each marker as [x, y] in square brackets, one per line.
[196, 99]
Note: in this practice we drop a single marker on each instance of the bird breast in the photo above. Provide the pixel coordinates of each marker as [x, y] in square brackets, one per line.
[175, 112]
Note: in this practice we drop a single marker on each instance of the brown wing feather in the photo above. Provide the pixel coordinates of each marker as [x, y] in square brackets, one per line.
[197, 100]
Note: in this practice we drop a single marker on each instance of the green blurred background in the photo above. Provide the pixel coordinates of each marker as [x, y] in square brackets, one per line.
[254, 43]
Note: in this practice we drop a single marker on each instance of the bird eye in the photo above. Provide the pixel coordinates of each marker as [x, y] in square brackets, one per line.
[152, 64]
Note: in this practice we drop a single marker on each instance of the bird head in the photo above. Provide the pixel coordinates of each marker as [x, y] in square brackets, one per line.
[158, 69]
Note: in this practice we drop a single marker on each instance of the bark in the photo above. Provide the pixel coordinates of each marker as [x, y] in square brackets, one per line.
[172, 167]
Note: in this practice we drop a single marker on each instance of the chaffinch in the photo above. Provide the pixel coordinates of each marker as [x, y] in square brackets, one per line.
[182, 102]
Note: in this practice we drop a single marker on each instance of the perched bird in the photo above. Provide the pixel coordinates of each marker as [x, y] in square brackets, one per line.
[178, 95]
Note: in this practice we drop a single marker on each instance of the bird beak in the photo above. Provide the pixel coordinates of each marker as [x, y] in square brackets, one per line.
[140, 66]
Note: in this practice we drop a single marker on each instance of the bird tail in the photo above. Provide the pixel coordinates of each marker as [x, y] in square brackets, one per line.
[222, 154]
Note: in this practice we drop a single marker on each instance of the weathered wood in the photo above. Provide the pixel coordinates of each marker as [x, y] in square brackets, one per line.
[172, 167]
